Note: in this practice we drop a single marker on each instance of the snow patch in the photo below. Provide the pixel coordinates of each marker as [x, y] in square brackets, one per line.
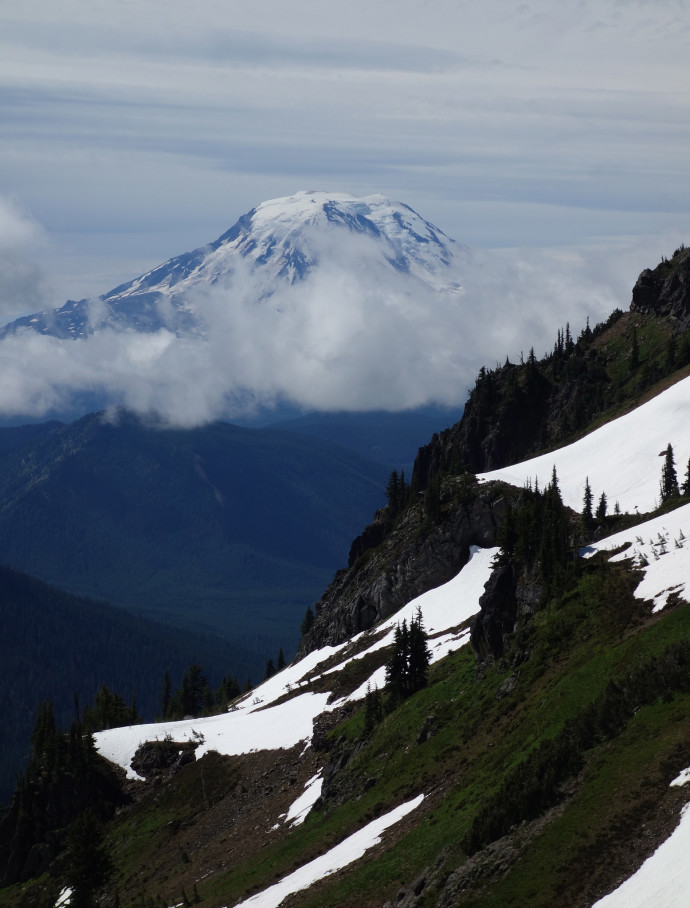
[348, 851]
[661, 548]
[299, 809]
[259, 722]
[663, 881]
[621, 458]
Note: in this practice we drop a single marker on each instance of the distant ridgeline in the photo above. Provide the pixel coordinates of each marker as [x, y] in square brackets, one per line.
[217, 529]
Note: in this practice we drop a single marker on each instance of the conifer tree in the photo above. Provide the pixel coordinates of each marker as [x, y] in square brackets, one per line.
[307, 621]
[669, 479]
[419, 655]
[587, 515]
[87, 865]
[393, 492]
[406, 670]
[553, 552]
[396, 668]
[601, 508]
[373, 709]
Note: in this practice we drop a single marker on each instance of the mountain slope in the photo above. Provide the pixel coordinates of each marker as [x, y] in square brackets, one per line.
[219, 528]
[536, 765]
[517, 411]
[55, 646]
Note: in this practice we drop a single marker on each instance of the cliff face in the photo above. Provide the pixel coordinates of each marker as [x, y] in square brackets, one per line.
[415, 556]
[665, 290]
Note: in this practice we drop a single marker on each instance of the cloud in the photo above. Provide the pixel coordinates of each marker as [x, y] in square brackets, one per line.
[354, 335]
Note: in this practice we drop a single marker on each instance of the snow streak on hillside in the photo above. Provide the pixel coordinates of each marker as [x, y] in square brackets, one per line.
[256, 724]
[349, 850]
[621, 458]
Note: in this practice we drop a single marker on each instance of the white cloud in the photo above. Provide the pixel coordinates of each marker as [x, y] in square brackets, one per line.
[353, 335]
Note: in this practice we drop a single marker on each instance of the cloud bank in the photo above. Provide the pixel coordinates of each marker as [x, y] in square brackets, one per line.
[353, 335]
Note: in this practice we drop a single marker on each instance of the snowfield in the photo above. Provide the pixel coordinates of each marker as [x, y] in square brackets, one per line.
[620, 459]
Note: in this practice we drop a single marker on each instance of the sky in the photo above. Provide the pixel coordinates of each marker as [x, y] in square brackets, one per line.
[550, 138]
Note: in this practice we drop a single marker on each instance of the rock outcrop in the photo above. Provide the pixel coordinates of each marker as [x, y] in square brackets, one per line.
[665, 290]
[417, 555]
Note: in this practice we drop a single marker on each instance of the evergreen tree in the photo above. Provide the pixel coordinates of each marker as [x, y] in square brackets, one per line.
[406, 670]
[397, 492]
[109, 710]
[228, 690]
[601, 508]
[373, 709]
[569, 343]
[419, 654]
[194, 696]
[87, 865]
[587, 515]
[396, 667]
[553, 549]
[393, 492]
[669, 480]
[270, 670]
[45, 738]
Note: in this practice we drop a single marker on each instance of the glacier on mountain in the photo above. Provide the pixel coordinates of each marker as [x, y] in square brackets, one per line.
[281, 241]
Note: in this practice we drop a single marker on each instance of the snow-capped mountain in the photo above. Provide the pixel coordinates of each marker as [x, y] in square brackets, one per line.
[278, 243]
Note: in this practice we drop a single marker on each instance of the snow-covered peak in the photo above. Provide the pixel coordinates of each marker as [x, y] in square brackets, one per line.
[285, 238]
[273, 246]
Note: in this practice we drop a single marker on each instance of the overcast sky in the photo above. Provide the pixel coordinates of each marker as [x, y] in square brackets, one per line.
[132, 130]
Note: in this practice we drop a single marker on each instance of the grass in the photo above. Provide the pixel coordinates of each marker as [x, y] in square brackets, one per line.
[480, 739]
[475, 740]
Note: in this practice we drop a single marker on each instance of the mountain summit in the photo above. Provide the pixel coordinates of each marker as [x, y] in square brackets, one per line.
[278, 243]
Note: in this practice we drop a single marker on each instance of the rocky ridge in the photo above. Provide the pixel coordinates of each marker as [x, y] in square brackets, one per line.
[413, 556]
